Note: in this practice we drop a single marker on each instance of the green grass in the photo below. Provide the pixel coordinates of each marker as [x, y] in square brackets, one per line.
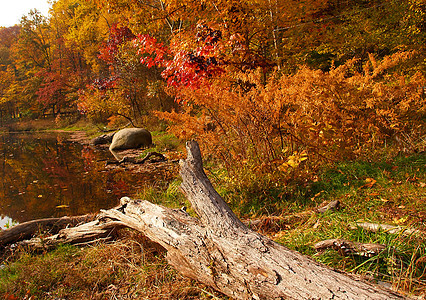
[384, 192]
[166, 141]
[82, 125]
[37, 274]
[166, 144]
[402, 264]
[170, 196]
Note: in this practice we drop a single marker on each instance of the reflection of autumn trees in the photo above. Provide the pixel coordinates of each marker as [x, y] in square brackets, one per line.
[37, 175]
[89, 157]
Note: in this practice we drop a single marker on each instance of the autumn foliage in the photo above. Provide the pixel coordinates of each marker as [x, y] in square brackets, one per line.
[183, 67]
[269, 86]
[310, 116]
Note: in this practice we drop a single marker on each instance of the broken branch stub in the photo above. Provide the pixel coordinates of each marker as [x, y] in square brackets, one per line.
[212, 210]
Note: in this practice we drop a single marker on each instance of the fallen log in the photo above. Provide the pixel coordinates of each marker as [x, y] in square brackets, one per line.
[219, 250]
[28, 229]
[85, 234]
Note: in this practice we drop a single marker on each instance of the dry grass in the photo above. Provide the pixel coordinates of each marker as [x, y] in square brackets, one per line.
[130, 268]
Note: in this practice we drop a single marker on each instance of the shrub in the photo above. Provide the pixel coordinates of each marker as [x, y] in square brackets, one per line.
[277, 123]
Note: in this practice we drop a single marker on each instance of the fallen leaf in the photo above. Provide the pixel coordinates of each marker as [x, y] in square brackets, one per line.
[401, 220]
[369, 183]
[62, 206]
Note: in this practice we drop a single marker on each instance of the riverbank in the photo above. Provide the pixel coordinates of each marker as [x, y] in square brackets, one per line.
[83, 131]
[80, 131]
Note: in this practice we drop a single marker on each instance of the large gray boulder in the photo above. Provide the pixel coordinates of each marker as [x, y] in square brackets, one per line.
[131, 138]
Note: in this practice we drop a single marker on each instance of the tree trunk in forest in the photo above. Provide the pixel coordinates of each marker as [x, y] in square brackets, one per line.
[219, 250]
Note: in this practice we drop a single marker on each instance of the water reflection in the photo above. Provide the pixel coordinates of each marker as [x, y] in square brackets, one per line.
[46, 176]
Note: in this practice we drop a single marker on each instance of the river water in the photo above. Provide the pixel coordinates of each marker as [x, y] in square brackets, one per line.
[45, 175]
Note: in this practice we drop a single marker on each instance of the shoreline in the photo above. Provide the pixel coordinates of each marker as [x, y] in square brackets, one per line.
[78, 136]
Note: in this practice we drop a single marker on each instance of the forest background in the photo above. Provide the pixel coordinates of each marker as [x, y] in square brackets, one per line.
[262, 84]
[273, 90]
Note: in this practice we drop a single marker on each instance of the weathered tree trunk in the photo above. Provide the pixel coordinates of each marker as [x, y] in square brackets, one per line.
[219, 250]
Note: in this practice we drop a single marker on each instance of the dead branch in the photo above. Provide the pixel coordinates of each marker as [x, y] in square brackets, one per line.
[374, 227]
[346, 247]
[87, 233]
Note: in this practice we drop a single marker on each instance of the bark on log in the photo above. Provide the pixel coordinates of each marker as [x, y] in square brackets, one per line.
[219, 250]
